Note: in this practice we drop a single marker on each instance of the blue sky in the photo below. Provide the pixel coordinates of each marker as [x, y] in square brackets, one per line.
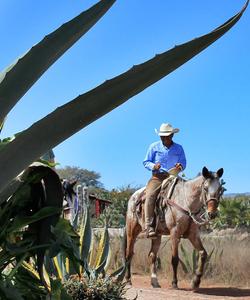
[207, 98]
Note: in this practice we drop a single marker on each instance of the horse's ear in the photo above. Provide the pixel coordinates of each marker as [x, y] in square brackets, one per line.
[220, 172]
[205, 173]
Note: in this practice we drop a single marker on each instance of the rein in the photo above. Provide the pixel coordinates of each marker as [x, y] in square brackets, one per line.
[172, 203]
[186, 212]
[204, 217]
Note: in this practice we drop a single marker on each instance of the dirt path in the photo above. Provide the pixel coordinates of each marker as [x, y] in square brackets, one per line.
[141, 287]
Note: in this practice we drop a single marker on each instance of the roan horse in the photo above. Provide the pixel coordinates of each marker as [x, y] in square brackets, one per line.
[192, 203]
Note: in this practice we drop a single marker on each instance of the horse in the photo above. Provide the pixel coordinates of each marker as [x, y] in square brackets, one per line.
[188, 205]
[70, 200]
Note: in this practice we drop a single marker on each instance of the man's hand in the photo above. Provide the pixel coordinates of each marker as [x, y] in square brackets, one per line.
[178, 166]
[157, 166]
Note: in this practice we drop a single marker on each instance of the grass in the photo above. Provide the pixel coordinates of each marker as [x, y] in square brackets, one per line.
[229, 263]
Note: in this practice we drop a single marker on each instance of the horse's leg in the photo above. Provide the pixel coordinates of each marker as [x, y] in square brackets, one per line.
[195, 239]
[175, 240]
[133, 228]
[155, 245]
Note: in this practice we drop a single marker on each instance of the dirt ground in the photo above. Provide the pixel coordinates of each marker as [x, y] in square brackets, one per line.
[141, 287]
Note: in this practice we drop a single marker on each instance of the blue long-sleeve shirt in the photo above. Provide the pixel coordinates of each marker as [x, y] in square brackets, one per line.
[167, 157]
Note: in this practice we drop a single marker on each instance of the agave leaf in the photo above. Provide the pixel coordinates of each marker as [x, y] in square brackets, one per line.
[53, 196]
[210, 255]
[28, 282]
[108, 260]
[101, 268]
[103, 249]
[67, 242]
[58, 292]
[91, 258]
[194, 261]
[9, 292]
[85, 236]
[19, 261]
[41, 56]
[30, 268]
[186, 258]
[119, 273]
[1, 124]
[85, 109]
[58, 268]
[61, 266]
[184, 268]
[21, 221]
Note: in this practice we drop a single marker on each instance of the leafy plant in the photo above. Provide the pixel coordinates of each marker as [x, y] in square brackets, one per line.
[26, 218]
[116, 211]
[22, 209]
[94, 282]
[189, 260]
[83, 176]
[86, 108]
[80, 268]
[234, 212]
[95, 288]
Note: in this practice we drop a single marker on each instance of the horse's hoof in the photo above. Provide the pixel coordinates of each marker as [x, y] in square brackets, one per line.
[174, 285]
[195, 283]
[155, 283]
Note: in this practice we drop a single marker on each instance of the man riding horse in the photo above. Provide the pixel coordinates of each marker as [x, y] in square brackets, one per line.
[160, 158]
[182, 206]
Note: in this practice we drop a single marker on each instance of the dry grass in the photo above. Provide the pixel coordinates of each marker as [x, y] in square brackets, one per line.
[229, 263]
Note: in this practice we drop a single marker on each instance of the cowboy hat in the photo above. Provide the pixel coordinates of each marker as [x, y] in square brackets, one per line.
[166, 129]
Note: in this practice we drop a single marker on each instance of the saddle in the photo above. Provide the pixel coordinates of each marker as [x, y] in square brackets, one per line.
[167, 188]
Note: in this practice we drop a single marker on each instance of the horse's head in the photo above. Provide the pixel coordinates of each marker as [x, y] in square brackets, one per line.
[212, 190]
[68, 188]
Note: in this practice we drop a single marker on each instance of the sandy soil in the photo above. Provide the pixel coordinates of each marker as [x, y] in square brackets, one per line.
[141, 287]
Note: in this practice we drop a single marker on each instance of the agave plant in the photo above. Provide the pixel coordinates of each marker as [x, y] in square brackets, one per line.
[79, 267]
[189, 261]
[25, 222]
[86, 108]
[17, 153]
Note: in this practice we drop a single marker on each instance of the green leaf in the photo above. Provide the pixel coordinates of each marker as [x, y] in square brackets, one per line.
[85, 236]
[2, 124]
[9, 292]
[120, 273]
[22, 221]
[184, 268]
[85, 109]
[41, 56]
[186, 258]
[58, 292]
[67, 242]
[102, 251]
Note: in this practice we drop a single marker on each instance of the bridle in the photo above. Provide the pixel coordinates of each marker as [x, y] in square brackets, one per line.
[219, 192]
[204, 217]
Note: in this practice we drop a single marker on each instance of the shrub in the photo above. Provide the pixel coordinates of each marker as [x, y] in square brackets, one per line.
[92, 287]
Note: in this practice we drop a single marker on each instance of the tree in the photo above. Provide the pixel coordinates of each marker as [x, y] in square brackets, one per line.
[116, 212]
[83, 176]
[234, 212]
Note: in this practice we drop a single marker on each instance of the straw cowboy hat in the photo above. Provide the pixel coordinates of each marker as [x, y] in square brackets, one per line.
[166, 129]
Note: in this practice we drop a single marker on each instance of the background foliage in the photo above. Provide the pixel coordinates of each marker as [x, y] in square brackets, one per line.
[234, 213]
[83, 176]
